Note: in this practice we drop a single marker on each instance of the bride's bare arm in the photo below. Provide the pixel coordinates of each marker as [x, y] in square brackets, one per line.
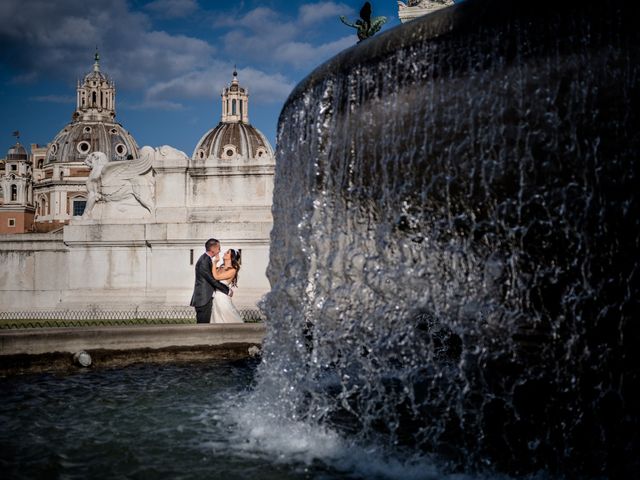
[222, 274]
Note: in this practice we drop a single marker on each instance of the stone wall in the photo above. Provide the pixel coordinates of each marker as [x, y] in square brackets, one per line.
[122, 266]
[33, 273]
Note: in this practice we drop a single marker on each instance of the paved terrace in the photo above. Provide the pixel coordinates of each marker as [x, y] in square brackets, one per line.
[52, 349]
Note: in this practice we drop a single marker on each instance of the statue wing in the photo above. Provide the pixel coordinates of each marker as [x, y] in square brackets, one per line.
[377, 23]
[365, 12]
[114, 173]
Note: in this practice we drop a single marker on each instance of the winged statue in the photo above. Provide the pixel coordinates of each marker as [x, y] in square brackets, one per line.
[122, 184]
[366, 26]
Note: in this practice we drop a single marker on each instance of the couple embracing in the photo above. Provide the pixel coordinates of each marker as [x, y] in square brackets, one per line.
[212, 306]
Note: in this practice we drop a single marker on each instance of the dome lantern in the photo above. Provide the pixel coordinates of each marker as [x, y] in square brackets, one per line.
[96, 96]
[235, 102]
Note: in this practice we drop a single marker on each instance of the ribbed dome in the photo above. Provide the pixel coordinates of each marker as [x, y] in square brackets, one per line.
[79, 139]
[17, 152]
[233, 140]
[93, 128]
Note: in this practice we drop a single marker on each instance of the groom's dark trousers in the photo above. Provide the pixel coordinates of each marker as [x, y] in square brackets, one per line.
[203, 289]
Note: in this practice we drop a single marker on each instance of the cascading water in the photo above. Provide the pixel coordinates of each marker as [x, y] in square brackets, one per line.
[454, 259]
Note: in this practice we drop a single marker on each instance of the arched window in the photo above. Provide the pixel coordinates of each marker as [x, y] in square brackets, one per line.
[14, 193]
[233, 106]
[94, 97]
[241, 102]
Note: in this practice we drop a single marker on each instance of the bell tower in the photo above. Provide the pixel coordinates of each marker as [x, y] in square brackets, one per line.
[16, 191]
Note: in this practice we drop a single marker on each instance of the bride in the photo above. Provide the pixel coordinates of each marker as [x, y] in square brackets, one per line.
[223, 310]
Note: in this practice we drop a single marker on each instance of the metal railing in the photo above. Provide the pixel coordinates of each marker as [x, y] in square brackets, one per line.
[86, 318]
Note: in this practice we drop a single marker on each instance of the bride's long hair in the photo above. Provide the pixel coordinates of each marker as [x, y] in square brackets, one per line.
[236, 260]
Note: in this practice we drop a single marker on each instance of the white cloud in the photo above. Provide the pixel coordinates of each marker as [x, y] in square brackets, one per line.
[208, 83]
[264, 87]
[300, 53]
[158, 56]
[172, 8]
[315, 12]
[263, 35]
[259, 17]
[188, 86]
[59, 42]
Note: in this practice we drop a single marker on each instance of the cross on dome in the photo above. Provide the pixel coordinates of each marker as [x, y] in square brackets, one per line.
[96, 63]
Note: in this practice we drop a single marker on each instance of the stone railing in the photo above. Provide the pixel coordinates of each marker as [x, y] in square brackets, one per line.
[83, 318]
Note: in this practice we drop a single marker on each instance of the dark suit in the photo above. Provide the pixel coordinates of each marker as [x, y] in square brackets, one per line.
[204, 287]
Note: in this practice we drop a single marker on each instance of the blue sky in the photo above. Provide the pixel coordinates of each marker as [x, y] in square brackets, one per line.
[168, 58]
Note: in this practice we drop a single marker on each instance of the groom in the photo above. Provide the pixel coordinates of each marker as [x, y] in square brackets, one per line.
[205, 283]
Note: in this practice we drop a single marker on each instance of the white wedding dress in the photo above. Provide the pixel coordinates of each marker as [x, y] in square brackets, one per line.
[223, 310]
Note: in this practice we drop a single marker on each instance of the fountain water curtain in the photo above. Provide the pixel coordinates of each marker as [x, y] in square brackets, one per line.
[454, 260]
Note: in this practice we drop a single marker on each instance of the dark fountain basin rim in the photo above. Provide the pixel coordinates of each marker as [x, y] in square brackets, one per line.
[381, 45]
[455, 19]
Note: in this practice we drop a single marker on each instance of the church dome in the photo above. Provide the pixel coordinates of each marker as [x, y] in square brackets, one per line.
[93, 128]
[234, 138]
[79, 139]
[17, 152]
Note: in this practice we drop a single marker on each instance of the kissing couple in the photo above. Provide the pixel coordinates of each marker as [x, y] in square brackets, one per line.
[212, 306]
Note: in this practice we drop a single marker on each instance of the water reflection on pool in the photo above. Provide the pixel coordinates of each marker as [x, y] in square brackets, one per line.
[145, 421]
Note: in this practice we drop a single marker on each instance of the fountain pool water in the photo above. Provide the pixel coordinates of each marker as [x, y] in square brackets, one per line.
[165, 421]
[144, 421]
